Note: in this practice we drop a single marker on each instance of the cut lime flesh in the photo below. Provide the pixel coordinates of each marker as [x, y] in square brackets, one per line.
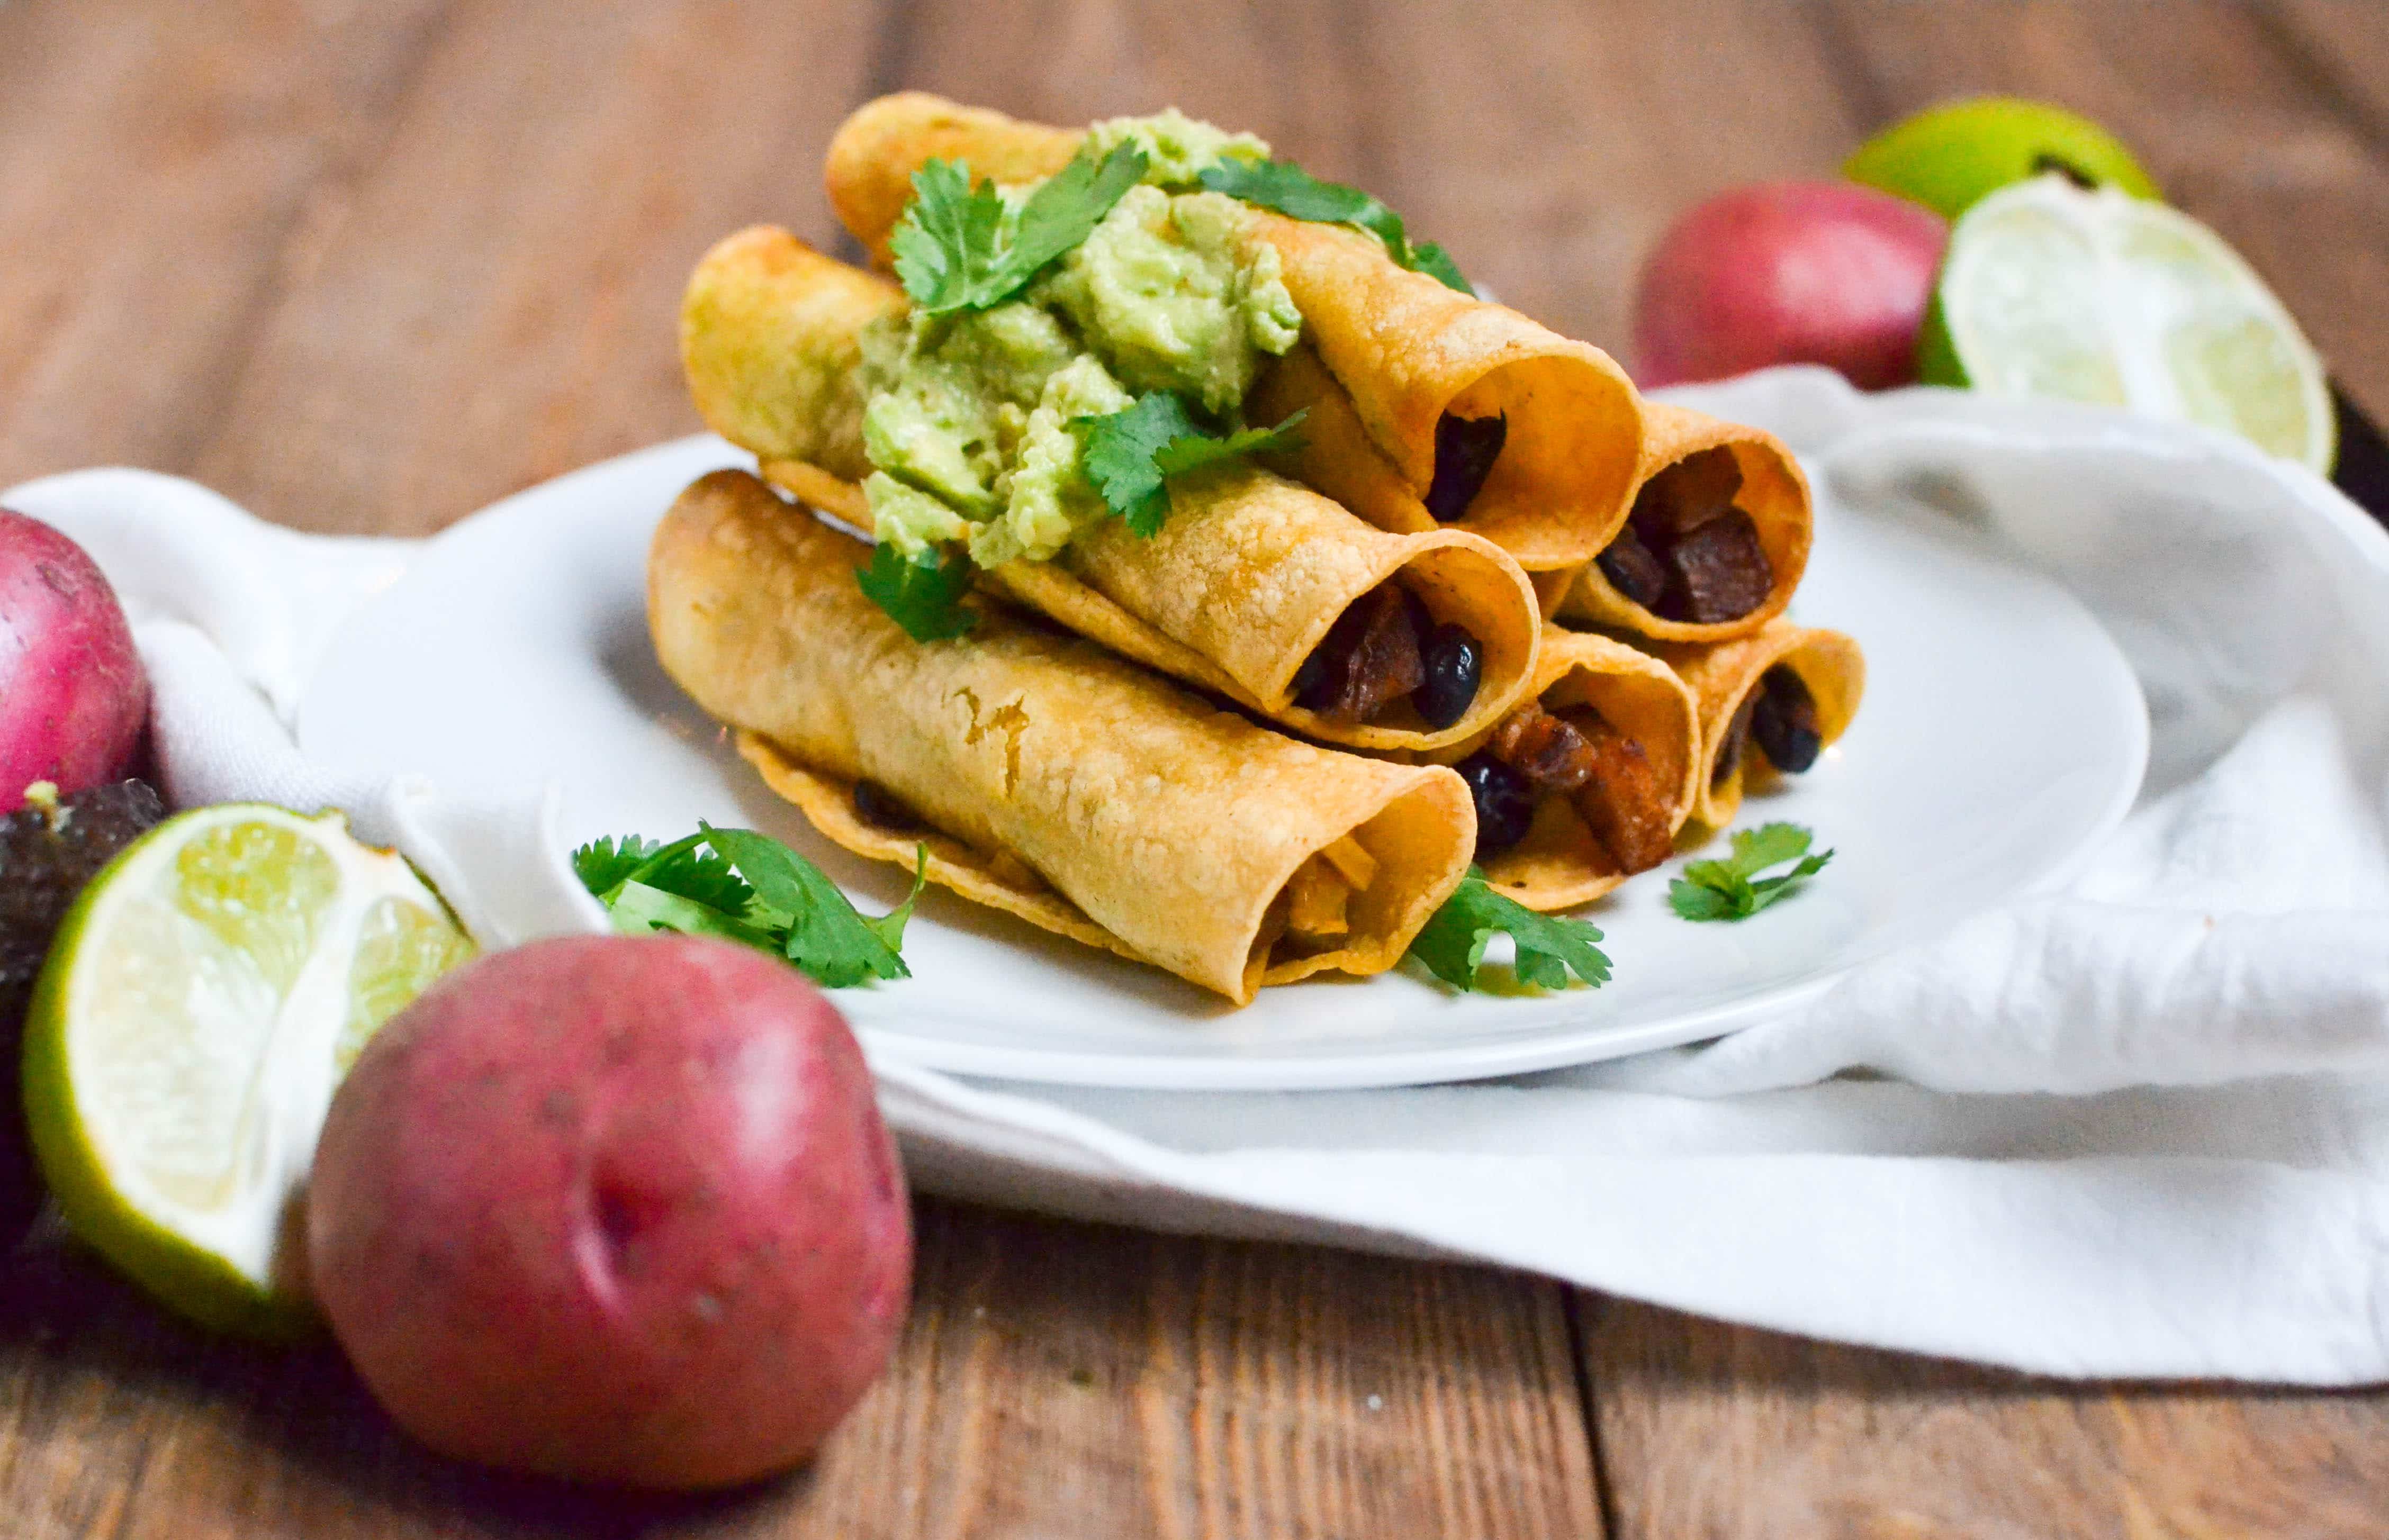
[205, 995]
[2049, 289]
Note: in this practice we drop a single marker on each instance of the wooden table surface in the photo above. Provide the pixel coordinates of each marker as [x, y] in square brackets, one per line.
[365, 265]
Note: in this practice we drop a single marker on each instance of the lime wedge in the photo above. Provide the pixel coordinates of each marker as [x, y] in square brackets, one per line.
[2049, 289]
[201, 1001]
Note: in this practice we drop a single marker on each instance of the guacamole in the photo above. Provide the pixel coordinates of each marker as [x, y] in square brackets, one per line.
[968, 415]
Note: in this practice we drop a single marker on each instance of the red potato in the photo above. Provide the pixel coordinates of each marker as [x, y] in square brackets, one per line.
[74, 698]
[616, 1210]
[1789, 272]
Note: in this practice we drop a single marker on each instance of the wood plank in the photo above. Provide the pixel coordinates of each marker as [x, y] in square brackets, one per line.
[493, 302]
[1056, 1381]
[157, 157]
[2342, 48]
[1721, 1433]
[1551, 149]
[2231, 125]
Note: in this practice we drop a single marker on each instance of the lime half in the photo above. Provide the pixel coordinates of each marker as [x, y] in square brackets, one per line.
[2049, 289]
[204, 996]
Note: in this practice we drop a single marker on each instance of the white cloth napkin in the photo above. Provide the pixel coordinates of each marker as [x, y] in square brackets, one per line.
[2138, 1129]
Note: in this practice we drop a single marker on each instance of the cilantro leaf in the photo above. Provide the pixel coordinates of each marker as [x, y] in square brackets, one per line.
[746, 887]
[1732, 888]
[604, 864]
[949, 238]
[1550, 947]
[925, 597]
[638, 910]
[821, 931]
[957, 249]
[1287, 188]
[1130, 455]
[1064, 211]
[682, 869]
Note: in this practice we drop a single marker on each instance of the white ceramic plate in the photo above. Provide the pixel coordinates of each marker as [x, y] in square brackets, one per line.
[2002, 735]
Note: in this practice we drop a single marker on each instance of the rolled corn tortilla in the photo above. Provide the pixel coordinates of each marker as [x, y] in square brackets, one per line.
[1058, 782]
[1773, 492]
[1723, 677]
[1245, 579]
[1392, 358]
[1564, 859]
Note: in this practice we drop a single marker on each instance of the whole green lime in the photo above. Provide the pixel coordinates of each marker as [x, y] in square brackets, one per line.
[1948, 156]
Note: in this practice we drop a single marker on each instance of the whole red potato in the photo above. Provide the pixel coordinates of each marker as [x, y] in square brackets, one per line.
[1789, 272]
[616, 1210]
[74, 698]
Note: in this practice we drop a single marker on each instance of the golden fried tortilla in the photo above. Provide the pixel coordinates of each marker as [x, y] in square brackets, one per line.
[1561, 863]
[1774, 493]
[1389, 353]
[1721, 675]
[1245, 579]
[1060, 783]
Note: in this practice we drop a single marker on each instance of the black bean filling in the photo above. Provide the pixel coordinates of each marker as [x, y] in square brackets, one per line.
[1505, 802]
[1687, 554]
[1386, 648]
[1782, 714]
[1784, 722]
[879, 806]
[1455, 666]
[1466, 449]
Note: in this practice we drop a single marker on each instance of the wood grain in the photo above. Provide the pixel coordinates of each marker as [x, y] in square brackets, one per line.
[156, 160]
[1723, 1435]
[1054, 1380]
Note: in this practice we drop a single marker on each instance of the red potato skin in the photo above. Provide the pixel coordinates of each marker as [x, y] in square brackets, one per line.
[1789, 272]
[616, 1210]
[73, 697]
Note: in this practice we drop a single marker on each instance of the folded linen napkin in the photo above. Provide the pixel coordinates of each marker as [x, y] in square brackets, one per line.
[2138, 1127]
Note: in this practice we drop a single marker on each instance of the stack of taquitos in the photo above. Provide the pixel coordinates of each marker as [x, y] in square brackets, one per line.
[1051, 780]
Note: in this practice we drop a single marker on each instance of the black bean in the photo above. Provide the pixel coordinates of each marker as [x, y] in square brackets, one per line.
[1455, 666]
[880, 807]
[1633, 571]
[1505, 803]
[1466, 449]
[1784, 722]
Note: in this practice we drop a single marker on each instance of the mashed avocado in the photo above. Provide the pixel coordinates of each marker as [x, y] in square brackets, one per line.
[1177, 148]
[968, 415]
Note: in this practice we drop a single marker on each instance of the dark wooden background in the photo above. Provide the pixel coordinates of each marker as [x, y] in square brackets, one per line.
[366, 265]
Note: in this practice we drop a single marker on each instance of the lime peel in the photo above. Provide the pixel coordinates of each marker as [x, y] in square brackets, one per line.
[203, 996]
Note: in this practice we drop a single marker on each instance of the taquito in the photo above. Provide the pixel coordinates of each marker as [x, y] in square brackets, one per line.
[1588, 778]
[1045, 777]
[1251, 579]
[1428, 408]
[1786, 690]
[1716, 540]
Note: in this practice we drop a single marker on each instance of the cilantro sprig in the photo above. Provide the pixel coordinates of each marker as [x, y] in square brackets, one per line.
[1132, 455]
[1550, 947]
[1732, 888]
[956, 249]
[749, 888]
[1287, 188]
[924, 596]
